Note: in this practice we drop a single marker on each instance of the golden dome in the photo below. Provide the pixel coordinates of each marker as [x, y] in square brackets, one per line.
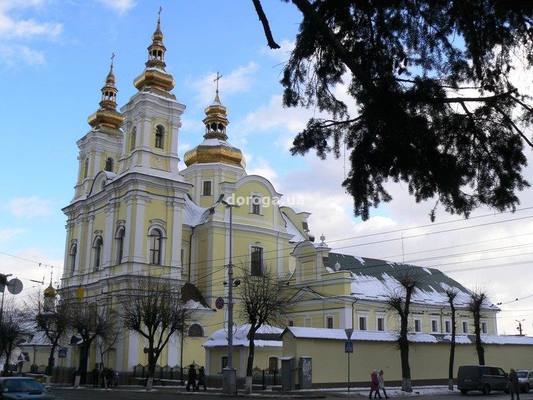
[215, 148]
[154, 75]
[50, 292]
[107, 115]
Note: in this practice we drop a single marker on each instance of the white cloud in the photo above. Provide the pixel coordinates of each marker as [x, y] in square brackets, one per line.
[120, 6]
[237, 81]
[15, 32]
[12, 55]
[10, 233]
[261, 167]
[30, 207]
[283, 53]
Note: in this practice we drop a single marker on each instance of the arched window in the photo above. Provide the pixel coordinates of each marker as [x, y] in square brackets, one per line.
[72, 254]
[86, 168]
[109, 164]
[97, 250]
[156, 242]
[159, 136]
[195, 330]
[120, 243]
[133, 138]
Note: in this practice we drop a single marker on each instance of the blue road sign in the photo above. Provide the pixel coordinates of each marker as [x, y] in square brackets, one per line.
[348, 346]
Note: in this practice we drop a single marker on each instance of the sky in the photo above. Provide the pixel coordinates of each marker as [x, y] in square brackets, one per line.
[54, 56]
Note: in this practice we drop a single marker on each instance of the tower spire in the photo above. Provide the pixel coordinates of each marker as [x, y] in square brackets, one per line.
[216, 80]
[107, 115]
[154, 75]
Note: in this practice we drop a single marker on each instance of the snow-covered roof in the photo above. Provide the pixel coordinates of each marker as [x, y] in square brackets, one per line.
[292, 230]
[195, 305]
[377, 280]
[371, 336]
[374, 336]
[37, 338]
[194, 214]
[266, 336]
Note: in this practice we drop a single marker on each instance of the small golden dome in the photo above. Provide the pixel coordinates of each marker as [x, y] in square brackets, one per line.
[154, 75]
[50, 292]
[107, 115]
[215, 148]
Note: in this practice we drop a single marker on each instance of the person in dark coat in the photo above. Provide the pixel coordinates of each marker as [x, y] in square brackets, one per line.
[201, 378]
[374, 385]
[513, 385]
[191, 378]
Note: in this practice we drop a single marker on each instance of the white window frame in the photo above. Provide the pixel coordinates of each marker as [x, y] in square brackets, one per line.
[365, 318]
[260, 197]
[437, 324]
[159, 225]
[210, 187]
[484, 327]
[449, 322]
[378, 317]
[262, 257]
[328, 318]
[463, 327]
[419, 320]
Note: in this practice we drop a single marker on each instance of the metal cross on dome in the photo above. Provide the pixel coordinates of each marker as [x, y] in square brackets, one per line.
[218, 76]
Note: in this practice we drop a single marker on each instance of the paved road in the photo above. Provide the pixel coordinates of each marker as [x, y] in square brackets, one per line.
[168, 394]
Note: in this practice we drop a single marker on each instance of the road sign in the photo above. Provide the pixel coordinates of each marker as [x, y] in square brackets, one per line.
[14, 286]
[219, 303]
[349, 332]
[348, 346]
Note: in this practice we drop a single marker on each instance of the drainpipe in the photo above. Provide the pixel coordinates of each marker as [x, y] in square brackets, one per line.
[182, 333]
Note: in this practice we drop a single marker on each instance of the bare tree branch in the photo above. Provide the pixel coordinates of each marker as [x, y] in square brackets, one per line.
[266, 26]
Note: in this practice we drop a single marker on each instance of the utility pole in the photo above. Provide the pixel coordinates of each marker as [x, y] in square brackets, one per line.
[229, 373]
[519, 327]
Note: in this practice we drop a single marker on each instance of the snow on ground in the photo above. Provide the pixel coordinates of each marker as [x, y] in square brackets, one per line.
[391, 391]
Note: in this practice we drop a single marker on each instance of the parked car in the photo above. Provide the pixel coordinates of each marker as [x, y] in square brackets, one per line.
[23, 388]
[525, 379]
[481, 377]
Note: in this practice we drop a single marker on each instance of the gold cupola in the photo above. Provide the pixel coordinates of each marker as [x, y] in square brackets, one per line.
[107, 115]
[215, 148]
[154, 76]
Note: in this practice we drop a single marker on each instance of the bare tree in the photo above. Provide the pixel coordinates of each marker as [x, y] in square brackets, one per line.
[476, 303]
[401, 302]
[106, 343]
[155, 310]
[263, 302]
[451, 294]
[53, 322]
[90, 322]
[13, 331]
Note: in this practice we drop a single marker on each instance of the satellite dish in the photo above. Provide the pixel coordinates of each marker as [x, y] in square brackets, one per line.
[14, 286]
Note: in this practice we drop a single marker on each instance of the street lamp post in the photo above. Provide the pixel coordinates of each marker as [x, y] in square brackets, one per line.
[230, 378]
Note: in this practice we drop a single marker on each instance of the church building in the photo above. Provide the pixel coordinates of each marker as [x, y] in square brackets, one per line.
[135, 213]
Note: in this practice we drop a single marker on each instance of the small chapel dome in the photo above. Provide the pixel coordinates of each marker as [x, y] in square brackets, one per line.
[50, 292]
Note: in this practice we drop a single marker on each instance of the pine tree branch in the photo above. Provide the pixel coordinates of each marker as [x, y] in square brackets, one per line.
[508, 119]
[266, 26]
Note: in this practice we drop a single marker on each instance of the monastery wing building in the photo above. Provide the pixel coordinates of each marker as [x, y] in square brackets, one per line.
[135, 213]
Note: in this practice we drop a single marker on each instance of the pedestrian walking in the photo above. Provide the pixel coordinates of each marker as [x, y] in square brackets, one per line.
[513, 385]
[374, 385]
[381, 382]
[201, 378]
[191, 378]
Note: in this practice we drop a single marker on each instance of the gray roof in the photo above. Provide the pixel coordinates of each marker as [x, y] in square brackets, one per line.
[375, 279]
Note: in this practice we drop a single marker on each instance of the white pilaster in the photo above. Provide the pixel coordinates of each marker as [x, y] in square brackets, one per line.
[108, 234]
[89, 243]
[173, 345]
[133, 347]
[126, 256]
[140, 234]
[175, 240]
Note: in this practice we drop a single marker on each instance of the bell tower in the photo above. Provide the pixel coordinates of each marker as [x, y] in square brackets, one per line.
[153, 116]
[101, 147]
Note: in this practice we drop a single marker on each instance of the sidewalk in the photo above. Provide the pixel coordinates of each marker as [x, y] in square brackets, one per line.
[393, 391]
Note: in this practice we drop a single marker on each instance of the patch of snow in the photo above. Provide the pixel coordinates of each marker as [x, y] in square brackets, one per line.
[370, 336]
[194, 214]
[428, 271]
[240, 337]
[292, 230]
[360, 259]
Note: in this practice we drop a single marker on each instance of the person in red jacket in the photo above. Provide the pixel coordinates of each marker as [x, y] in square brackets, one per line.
[374, 385]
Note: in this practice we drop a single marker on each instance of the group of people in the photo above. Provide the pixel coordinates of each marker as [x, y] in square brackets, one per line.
[196, 379]
[377, 384]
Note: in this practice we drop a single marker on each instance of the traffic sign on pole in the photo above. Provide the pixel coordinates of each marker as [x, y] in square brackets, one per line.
[349, 332]
[348, 346]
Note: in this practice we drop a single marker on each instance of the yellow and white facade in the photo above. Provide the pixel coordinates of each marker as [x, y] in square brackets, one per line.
[134, 212]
